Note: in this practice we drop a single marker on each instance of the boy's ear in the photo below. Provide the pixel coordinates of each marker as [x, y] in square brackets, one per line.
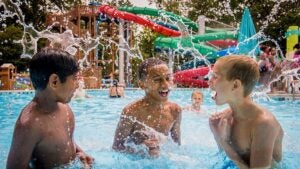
[53, 80]
[236, 84]
[141, 84]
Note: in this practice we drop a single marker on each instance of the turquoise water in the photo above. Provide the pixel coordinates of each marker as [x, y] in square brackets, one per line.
[97, 117]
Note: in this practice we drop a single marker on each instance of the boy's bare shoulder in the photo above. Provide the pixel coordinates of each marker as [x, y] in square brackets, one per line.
[133, 108]
[266, 121]
[175, 107]
[28, 120]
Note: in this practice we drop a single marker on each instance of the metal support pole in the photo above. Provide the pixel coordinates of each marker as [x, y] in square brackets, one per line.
[121, 52]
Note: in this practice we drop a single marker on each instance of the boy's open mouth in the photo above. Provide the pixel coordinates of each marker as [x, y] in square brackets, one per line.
[213, 95]
[164, 93]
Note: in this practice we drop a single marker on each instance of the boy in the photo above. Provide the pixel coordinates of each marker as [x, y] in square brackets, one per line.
[116, 90]
[43, 135]
[197, 100]
[249, 134]
[149, 120]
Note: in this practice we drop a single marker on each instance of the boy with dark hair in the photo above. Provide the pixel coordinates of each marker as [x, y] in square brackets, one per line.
[249, 134]
[148, 121]
[43, 135]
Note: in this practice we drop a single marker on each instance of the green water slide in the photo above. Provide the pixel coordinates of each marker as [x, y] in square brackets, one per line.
[173, 43]
[214, 36]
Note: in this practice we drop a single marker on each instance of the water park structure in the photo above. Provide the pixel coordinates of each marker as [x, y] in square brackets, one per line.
[178, 34]
[292, 35]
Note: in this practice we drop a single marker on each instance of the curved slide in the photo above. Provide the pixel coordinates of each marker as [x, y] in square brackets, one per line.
[112, 12]
[172, 43]
[173, 17]
[216, 34]
[211, 52]
[155, 12]
[123, 13]
[192, 77]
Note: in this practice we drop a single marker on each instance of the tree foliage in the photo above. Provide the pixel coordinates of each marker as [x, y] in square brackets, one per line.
[10, 51]
[270, 17]
[146, 42]
[27, 12]
[119, 3]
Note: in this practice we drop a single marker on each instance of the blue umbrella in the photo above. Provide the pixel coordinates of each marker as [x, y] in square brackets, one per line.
[246, 31]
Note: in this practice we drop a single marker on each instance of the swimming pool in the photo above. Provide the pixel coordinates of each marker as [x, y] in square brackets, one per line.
[97, 117]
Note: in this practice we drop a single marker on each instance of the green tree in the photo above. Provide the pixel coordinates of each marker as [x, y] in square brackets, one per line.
[28, 12]
[119, 3]
[146, 42]
[170, 5]
[10, 51]
[271, 17]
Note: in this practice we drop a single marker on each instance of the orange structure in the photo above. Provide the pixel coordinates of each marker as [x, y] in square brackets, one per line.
[7, 76]
[84, 21]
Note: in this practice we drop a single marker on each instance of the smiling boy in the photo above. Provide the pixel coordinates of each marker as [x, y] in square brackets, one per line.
[150, 119]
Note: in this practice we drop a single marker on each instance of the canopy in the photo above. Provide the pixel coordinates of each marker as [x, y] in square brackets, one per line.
[246, 40]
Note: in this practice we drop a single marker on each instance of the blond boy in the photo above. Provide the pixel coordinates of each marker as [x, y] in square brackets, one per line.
[249, 134]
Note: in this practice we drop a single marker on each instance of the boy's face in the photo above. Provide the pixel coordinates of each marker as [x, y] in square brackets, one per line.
[197, 98]
[158, 82]
[220, 84]
[66, 90]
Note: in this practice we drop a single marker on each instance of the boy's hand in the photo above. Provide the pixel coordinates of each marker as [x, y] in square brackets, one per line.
[85, 159]
[220, 125]
[283, 66]
[153, 145]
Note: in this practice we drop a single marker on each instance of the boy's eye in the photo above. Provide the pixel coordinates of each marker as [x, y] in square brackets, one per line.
[160, 79]
[76, 77]
[157, 80]
[169, 78]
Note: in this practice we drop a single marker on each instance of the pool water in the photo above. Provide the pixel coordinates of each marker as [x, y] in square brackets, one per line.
[96, 119]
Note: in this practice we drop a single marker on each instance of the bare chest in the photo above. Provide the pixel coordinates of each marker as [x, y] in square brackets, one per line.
[241, 138]
[56, 144]
[159, 121]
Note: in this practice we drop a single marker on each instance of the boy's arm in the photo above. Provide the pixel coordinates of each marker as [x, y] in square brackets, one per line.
[175, 130]
[122, 133]
[24, 141]
[220, 125]
[232, 154]
[264, 137]
[85, 158]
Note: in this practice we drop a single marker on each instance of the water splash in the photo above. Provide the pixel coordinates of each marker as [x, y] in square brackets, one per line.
[72, 44]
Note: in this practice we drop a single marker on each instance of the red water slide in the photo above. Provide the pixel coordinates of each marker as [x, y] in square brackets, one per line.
[223, 43]
[112, 12]
[192, 77]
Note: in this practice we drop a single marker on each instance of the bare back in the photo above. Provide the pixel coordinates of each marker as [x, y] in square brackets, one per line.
[116, 91]
[48, 136]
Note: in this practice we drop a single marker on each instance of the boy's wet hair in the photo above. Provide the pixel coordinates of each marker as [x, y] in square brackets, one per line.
[51, 61]
[241, 67]
[146, 64]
